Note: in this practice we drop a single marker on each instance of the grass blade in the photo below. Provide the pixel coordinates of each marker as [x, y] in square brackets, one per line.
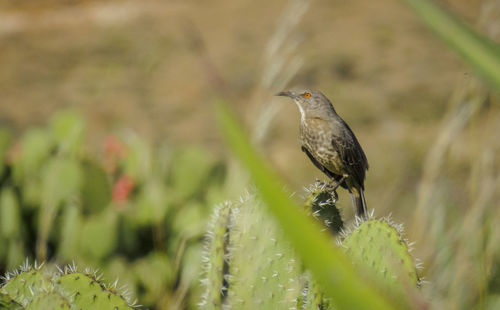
[480, 52]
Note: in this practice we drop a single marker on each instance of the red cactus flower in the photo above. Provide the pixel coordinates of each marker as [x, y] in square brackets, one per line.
[122, 189]
[114, 146]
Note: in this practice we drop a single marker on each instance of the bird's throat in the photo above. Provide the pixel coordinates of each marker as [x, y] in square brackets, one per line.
[302, 112]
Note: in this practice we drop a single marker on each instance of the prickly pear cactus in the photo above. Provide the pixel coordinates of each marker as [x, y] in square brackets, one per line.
[320, 202]
[249, 265]
[215, 257]
[38, 288]
[378, 244]
[24, 284]
[263, 271]
[50, 300]
[313, 297]
[7, 303]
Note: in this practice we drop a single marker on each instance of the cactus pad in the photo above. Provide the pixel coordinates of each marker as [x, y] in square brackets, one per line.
[26, 283]
[39, 288]
[6, 303]
[378, 244]
[215, 257]
[54, 301]
[321, 203]
[263, 271]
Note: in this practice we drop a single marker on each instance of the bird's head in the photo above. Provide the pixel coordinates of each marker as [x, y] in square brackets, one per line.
[311, 103]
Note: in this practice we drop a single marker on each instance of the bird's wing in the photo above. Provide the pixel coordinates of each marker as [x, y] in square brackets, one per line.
[352, 155]
[318, 165]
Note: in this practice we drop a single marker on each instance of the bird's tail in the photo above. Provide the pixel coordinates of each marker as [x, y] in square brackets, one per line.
[358, 202]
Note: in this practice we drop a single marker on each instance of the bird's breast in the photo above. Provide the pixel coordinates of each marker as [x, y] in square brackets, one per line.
[315, 131]
[316, 137]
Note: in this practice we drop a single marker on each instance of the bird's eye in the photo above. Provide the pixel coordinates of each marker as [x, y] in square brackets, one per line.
[307, 95]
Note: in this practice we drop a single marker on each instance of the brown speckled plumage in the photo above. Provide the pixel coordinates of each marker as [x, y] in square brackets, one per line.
[330, 144]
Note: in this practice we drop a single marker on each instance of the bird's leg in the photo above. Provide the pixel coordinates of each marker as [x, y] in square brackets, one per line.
[334, 195]
[339, 182]
[333, 187]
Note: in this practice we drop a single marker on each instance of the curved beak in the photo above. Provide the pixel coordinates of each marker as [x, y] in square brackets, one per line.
[286, 93]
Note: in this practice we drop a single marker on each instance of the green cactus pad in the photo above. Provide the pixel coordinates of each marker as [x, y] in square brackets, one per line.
[10, 221]
[68, 130]
[214, 257]
[99, 234]
[321, 203]
[263, 271]
[6, 303]
[5, 140]
[250, 265]
[23, 285]
[312, 297]
[96, 188]
[378, 244]
[88, 293]
[40, 287]
[53, 301]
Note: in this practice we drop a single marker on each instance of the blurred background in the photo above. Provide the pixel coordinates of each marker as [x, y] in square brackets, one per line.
[115, 98]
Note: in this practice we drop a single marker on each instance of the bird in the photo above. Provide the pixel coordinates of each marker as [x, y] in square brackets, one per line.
[331, 145]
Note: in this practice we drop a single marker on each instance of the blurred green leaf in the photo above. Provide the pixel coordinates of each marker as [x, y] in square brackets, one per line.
[99, 234]
[151, 205]
[62, 178]
[482, 53]
[15, 253]
[190, 220]
[5, 140]
[328, 265]
[189, 171]
[31, 195]
[36, 145]
[96, 188]
[3, 249]
[492, 302]
[119, 268]
[139, 160]
[68, 131]
[190, 273]
[155, 274]
[69, 232]
[215, 189]
[10, 222]
[10, 227]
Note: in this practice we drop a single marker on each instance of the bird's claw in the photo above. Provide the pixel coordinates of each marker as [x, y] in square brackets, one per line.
[332, 190]
[335, 196]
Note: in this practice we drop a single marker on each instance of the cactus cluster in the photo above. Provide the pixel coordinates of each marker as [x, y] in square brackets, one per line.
[132, 209]
[37, 287]
[250, 265]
